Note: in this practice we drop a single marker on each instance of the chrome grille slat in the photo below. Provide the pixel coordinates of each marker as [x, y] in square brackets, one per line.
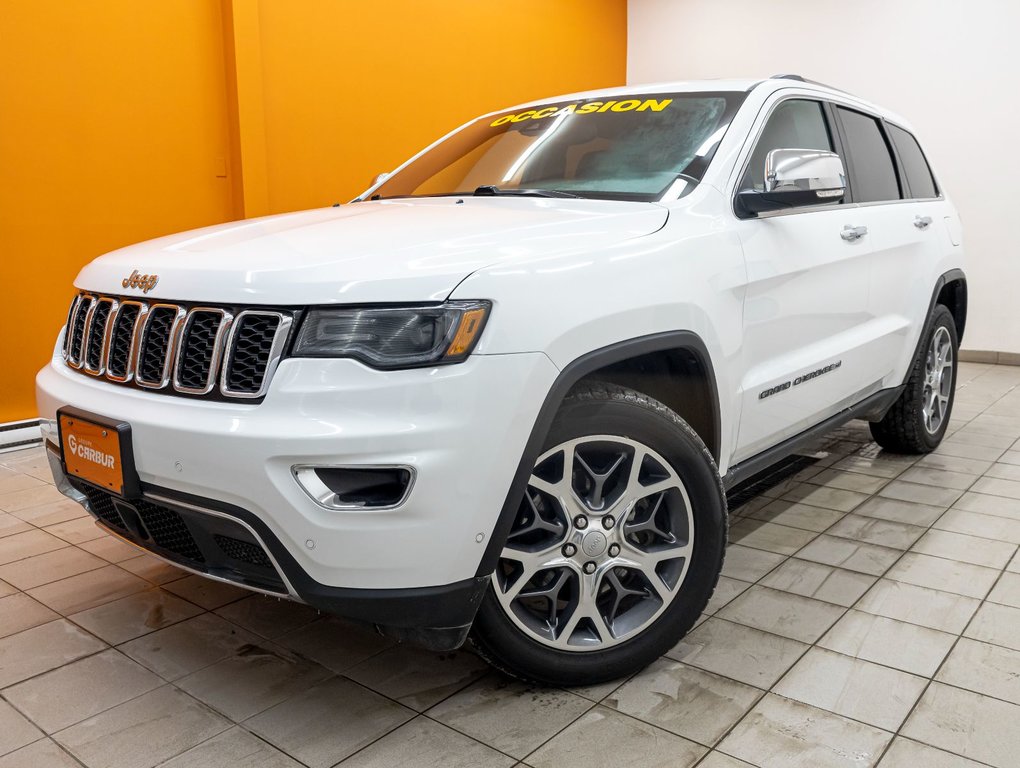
[158, 345]
[254, 348]
[120, 356]
[96, 336]
[192, 350]
[77, 331]
[200, 348]
[68, 324]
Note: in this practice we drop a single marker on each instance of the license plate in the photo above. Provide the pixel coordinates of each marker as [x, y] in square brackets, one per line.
[97, 450]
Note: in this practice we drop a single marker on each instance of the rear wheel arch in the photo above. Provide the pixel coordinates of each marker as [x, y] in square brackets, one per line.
[952, 293]
[950, 290]
[642, 363]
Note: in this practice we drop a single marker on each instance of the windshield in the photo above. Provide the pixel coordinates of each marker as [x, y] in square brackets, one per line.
[628, 148]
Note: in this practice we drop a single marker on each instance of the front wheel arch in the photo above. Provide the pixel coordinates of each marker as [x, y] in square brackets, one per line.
[681, 342]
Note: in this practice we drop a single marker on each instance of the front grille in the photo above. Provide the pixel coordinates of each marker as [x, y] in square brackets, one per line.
[174, 347]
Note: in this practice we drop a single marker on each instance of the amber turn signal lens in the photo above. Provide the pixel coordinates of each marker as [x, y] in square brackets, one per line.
[468, 330]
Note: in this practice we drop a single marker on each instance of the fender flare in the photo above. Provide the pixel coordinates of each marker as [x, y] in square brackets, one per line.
[567, 378]
[944, 279]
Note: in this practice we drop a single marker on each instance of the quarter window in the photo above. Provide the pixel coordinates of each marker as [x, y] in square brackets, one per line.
[794, 124]
[919, 175]
[874, 173]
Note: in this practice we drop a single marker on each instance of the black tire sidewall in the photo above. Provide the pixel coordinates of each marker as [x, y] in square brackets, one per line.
[664, 432]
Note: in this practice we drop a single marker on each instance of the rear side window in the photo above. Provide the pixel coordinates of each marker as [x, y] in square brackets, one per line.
[919, 175]
[794, 124]
[874, 173]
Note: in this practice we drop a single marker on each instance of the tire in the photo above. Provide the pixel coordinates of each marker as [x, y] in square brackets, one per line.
[564, 626]
[910, 425]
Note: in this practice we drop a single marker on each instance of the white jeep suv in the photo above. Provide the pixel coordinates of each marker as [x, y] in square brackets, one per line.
[503, 391]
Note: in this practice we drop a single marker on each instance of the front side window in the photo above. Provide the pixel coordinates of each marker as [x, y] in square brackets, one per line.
[919, 176]
[794, 124]
[625, 148]
[874, 173]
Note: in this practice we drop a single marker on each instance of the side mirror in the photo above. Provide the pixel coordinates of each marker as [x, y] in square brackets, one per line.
[796, 177]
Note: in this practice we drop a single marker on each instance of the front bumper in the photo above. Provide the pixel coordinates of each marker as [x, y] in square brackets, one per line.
[232, 545]
[463, 428]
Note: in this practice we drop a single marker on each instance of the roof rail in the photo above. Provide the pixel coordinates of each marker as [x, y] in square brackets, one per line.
[801, 79]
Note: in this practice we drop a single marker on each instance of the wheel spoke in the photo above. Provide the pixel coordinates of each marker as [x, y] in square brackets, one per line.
[660, 555]
[585, 608]
[532, 563]
[549, 593]
[534, 522]
[553, 489]
[563, 635]
[634, 493]
[620, 592]
[596, 499]
[649, 523]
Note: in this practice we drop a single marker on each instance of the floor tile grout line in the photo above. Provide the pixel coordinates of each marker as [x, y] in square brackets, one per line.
[884, 546]
[47, 738]
[814, 644]
[804, 653]
[931, 680]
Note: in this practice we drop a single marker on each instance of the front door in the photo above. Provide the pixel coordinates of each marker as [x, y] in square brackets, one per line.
[807, 329]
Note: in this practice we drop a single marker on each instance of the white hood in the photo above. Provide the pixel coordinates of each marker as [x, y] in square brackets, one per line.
[384, 251]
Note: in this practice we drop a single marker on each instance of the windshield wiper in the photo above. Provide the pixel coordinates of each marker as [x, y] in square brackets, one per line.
[492, 190]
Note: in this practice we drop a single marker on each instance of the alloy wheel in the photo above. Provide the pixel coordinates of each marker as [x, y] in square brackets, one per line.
[938, 380]
[600, 547]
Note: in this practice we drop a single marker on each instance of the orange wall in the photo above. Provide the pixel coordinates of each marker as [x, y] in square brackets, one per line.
[112, 123]
[118, 119]
[374, 82]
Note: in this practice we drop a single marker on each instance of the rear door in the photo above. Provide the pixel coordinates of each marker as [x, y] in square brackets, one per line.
[910, 240]
[901, 223]
[806, 334]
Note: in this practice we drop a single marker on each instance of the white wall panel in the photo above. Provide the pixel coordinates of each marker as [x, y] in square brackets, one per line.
[952, 69]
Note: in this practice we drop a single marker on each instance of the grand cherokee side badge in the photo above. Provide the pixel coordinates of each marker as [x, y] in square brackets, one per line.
[799, 380]
[145, 282]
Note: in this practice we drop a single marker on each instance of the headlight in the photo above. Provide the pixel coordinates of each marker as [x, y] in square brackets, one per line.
[394, 337]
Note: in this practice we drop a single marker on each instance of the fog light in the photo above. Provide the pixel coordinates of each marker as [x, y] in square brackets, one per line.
[356, 487]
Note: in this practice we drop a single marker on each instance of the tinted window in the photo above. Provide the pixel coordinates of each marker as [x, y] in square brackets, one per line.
[874, 172]
[794, 124]
[919, 177]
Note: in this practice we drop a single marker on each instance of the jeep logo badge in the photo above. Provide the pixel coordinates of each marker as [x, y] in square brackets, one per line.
[594, 543]
[145, 282]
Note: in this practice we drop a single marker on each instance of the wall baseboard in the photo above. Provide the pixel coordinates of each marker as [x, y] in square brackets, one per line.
[19, 434]
[986, 356]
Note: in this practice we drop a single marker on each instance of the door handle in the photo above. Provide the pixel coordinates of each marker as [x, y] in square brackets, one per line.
[853, 234]
[922, 222]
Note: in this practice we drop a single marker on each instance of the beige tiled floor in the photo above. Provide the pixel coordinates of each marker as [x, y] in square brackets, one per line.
[869, 614]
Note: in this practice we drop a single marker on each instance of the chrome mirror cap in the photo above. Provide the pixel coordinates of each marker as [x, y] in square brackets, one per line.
[805, 170]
